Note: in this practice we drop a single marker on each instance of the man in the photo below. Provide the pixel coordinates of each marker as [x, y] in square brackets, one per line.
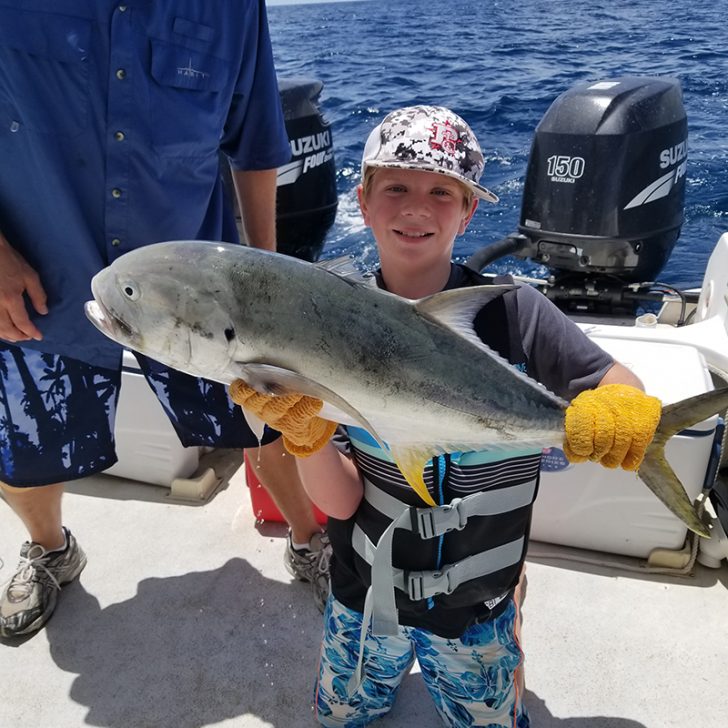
[112, 117]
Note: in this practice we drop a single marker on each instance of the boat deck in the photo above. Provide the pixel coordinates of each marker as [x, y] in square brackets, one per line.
[185, 617]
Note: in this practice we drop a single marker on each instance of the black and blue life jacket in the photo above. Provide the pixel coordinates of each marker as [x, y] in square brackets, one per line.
[440, 568]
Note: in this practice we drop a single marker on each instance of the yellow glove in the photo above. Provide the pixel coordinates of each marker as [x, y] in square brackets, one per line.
[293, 415]
[612, 424]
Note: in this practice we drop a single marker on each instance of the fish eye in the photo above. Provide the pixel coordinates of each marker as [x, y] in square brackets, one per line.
[130, 290]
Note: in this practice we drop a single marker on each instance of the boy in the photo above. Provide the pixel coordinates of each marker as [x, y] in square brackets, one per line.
[420, 188]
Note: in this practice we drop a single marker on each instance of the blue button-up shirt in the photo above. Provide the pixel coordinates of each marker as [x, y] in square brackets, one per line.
[112, 117]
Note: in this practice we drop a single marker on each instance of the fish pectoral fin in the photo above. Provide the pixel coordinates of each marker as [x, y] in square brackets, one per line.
[660, 478]
[411, 462]
[267, 379]
[270, 379]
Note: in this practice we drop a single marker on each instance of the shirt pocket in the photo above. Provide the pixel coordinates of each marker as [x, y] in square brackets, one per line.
[47, 87]
[189, 100]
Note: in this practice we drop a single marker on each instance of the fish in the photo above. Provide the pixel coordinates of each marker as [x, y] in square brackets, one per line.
[413, 373]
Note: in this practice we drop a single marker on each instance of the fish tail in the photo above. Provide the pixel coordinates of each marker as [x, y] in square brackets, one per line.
[660, 478]
[681, 415]
[656, 472]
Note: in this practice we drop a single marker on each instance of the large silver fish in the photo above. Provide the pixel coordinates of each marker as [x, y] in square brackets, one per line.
[413, 373]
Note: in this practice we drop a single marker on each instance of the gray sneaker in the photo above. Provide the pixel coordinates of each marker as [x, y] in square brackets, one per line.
[321, 582]
[311, 564]
[30, 598]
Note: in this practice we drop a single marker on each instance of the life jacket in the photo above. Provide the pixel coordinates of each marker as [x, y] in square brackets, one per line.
[468, 550]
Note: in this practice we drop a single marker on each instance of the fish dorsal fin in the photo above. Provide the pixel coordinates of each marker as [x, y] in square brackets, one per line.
[345, 267]
[458, 307]
[269, 379]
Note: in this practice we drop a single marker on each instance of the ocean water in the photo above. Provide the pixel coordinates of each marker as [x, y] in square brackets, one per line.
[500, 64]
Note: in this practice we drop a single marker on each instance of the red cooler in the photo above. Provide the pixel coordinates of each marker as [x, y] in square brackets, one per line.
[264, 508]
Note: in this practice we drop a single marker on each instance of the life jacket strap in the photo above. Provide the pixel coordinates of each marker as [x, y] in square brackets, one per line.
[426, 584]
[436, 521]
[430, 523]
[429, 583]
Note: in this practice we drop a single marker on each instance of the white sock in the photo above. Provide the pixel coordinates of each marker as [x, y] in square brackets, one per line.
[61, 548]
[301, 546]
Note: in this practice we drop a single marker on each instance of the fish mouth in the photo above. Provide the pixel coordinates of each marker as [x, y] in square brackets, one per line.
[107, 323]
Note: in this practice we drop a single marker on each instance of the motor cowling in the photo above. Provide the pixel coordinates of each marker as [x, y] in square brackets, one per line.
[605, 182]
[306, 194]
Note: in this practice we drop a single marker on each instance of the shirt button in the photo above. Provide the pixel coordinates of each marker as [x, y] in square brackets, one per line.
[119, 136]
[121, 74]
[116, 193]
[122, 8]
[116, 242]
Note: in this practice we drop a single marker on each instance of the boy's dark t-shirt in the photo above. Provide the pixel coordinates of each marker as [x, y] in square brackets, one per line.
[525, 328]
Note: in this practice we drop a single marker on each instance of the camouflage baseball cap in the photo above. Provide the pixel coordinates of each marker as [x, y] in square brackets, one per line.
[431, 139]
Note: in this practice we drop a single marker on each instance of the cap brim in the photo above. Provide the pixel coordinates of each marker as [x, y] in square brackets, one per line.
[482, 193]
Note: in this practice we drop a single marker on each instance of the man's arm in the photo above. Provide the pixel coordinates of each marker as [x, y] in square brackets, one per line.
[256, 193]
[17, 278]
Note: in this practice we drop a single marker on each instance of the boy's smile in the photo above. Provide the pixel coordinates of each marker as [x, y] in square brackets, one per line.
[415, 216]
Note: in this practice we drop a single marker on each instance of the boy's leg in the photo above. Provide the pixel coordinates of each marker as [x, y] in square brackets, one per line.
[386, 661]
[519, 597]
[56, 426]
[473, 679]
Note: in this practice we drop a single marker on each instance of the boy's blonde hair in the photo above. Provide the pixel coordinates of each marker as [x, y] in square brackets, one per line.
[369, 173]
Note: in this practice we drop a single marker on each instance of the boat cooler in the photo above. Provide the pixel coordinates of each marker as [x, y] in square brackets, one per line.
[146, 444]
[150, 451]
[588, 506]
[584, 506]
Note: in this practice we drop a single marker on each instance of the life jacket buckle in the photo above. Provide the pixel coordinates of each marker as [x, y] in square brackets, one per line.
[433, 522]
[426, 584]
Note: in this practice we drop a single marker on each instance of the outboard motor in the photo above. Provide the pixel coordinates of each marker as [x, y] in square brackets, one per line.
[307, 200]
[604, 190]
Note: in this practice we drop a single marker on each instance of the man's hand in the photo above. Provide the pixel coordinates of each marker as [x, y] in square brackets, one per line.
[17, 278]
[612, 424]
[295, 416]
